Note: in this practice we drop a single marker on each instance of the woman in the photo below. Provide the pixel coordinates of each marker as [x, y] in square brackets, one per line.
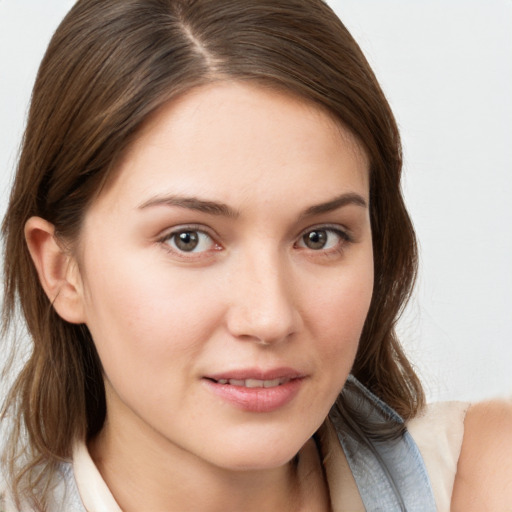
[214, 239]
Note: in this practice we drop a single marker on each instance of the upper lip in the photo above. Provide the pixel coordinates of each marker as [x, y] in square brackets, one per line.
[258, 374]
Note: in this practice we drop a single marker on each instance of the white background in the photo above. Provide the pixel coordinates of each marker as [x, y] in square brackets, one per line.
[446, 67]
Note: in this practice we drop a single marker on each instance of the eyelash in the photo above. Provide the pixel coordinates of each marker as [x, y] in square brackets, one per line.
[344, 239]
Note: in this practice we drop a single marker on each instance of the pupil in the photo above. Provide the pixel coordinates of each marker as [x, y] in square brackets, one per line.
[316, 239]
[187, 241]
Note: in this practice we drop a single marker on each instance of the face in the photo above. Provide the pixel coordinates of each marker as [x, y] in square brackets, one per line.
[226, 273]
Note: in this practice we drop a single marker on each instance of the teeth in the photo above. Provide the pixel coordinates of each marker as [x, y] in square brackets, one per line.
[271, 383]
[254, 383]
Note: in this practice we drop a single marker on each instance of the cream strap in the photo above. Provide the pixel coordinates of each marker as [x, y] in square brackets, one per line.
[343, 490]
[95, 494]
[438, 431]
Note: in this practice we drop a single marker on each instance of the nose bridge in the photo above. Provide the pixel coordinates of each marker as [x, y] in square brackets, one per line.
[263, 308]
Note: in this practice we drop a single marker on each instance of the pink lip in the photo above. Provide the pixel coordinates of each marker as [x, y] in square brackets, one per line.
[257, 399]
[257, 373]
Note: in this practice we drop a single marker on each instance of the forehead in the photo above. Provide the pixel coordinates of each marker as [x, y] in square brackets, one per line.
[238, 137]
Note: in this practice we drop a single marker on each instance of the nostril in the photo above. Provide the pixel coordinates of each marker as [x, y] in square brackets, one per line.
[263, 327]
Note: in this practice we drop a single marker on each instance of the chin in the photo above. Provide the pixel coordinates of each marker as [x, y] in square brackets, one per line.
[259, 461]
[263, 453]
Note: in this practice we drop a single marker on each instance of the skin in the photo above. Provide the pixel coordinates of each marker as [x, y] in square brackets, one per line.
[484, 471]
[253, 294]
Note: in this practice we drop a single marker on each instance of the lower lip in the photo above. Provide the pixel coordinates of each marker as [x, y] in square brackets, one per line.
[257, 399]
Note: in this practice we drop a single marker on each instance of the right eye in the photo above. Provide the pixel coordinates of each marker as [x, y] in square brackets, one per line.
[189, 241]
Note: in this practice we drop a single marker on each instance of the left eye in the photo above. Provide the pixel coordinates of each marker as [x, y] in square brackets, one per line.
[321, 239]
[190, 241]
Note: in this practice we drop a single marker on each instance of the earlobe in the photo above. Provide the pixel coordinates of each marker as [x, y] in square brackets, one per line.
[57, 270]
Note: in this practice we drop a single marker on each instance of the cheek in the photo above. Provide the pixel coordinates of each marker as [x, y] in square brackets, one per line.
[342, 303]
[337, 316]
[140, 317]
[149, 329]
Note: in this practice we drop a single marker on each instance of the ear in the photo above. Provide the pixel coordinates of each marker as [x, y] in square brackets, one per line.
[57, 269]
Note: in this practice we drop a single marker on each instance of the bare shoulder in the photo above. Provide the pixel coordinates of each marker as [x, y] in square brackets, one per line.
[484, 470]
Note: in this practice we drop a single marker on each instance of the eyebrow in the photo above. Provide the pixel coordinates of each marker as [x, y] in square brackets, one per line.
[192, 203]
[338, 202]
[221, 209]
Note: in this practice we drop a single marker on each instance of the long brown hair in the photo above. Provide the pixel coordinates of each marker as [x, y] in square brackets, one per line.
[110, 64]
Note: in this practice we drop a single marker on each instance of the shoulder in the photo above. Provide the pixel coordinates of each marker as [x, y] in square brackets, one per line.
[484, 471]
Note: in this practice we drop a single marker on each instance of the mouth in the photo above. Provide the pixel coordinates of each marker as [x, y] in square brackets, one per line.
[257, 391]
[253, 383]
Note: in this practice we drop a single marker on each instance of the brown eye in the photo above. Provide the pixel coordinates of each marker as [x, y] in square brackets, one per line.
[186, 241]
[316, 239]
[322, 239]
[190, 241]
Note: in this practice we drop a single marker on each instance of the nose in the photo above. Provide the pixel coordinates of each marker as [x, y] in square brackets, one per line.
[263, 305]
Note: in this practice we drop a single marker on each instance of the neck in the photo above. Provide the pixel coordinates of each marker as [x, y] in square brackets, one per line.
[150, 474]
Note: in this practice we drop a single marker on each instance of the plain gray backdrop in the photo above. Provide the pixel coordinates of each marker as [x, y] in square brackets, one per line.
[446, 67]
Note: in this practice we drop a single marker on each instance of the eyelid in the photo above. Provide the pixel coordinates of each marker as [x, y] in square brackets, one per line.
[336, 228]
